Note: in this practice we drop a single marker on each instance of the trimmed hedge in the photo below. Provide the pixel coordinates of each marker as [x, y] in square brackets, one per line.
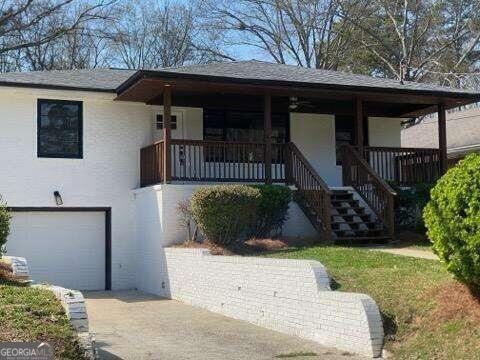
[224, 212]
[4, 225]
[272, 209]
[452, 218]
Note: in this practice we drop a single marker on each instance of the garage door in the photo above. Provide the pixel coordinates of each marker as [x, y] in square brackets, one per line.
[62, 248]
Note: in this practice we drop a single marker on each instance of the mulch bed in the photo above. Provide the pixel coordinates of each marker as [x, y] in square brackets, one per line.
[252, 246]
[454, 300]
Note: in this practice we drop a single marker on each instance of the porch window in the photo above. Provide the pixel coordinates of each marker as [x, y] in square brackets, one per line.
[59, 129]
[241, 126]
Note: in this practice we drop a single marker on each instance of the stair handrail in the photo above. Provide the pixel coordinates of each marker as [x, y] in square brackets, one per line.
[357, 173]
[313, 189]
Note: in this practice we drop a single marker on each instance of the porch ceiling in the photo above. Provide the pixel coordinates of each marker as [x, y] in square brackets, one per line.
[312, 98]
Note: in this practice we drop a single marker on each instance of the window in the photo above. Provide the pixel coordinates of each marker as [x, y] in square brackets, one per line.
[242, 126]
[173, 122]
[59, 129]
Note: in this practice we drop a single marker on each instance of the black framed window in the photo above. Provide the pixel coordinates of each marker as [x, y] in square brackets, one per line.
[173, 122]
[59, 129]
[243, 126]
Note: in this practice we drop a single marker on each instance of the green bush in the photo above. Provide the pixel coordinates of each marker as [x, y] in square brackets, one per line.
[452, 218]
[409, 204]
[4, 225]
[272, 209]
[224, 212]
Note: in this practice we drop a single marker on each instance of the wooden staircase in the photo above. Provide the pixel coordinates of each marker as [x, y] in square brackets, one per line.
[363, 214]
[353, 221]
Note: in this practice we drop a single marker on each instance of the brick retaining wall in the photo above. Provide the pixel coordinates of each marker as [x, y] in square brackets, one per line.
[291, 296]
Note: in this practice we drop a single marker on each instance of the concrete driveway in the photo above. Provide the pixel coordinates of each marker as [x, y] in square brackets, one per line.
[132, 325]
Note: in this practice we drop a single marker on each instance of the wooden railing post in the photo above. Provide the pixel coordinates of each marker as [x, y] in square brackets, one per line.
[167, 116]
[267, 117]
[442, 137]
[327, 218]
[287, 150]
[346, 168]
[359, 136]
[391, 216]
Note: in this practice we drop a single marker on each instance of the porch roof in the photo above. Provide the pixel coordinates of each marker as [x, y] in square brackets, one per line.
[266, 73]
[383, 97]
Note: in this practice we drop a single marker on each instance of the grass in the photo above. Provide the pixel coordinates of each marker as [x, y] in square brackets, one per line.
[425, 312]
[30, 314]
[413, 239]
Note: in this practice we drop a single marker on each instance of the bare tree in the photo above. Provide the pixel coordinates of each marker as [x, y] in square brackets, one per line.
[152, 35]
[307, 33]
[26, 24]
[415, 39]
[84, 46]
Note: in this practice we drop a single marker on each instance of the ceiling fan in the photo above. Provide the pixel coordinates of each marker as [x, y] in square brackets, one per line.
[295, 103]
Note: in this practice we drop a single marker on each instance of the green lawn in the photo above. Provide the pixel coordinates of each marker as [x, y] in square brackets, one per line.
[29, 314]
[407, 292]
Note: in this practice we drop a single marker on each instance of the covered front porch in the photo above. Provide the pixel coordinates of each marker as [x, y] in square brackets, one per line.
[347, 141]
[224, 161]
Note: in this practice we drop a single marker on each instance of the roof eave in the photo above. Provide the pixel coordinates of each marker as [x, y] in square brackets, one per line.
[54, 87]
[153, 74]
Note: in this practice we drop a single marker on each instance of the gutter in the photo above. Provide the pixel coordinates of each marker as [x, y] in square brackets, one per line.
[158, 74]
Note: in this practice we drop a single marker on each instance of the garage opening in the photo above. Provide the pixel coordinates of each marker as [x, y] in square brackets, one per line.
[69, 247]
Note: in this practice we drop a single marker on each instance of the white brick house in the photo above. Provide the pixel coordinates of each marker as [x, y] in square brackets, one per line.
[91, 210]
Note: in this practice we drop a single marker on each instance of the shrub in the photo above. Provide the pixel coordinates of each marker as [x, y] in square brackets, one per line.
[4, 226]
[452, 218]
[272, 209]
[224, 212]
[186, 220]
[409, 204]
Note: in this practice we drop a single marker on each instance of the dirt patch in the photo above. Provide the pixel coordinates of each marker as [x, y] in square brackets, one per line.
[454, 300]
[214, 249]
[6, 272]
[253, 245]
[266, 244]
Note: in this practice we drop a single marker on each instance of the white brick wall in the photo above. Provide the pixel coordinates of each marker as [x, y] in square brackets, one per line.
[157, 226]
[291, 296]
[113, 133]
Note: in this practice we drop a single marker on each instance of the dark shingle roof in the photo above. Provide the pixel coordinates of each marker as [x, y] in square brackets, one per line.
[463, 132]
[251, 71]
[88, 79]
[254, 70]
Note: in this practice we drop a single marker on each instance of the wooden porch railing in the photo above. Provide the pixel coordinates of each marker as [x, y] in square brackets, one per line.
[151, 164]
[314, 194]
[405, 166]
[198, 160]
[356, 172]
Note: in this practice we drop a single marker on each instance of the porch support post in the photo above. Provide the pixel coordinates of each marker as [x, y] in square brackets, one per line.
[442, 137]
[267, 131]
[167, 116]
[358, 119]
